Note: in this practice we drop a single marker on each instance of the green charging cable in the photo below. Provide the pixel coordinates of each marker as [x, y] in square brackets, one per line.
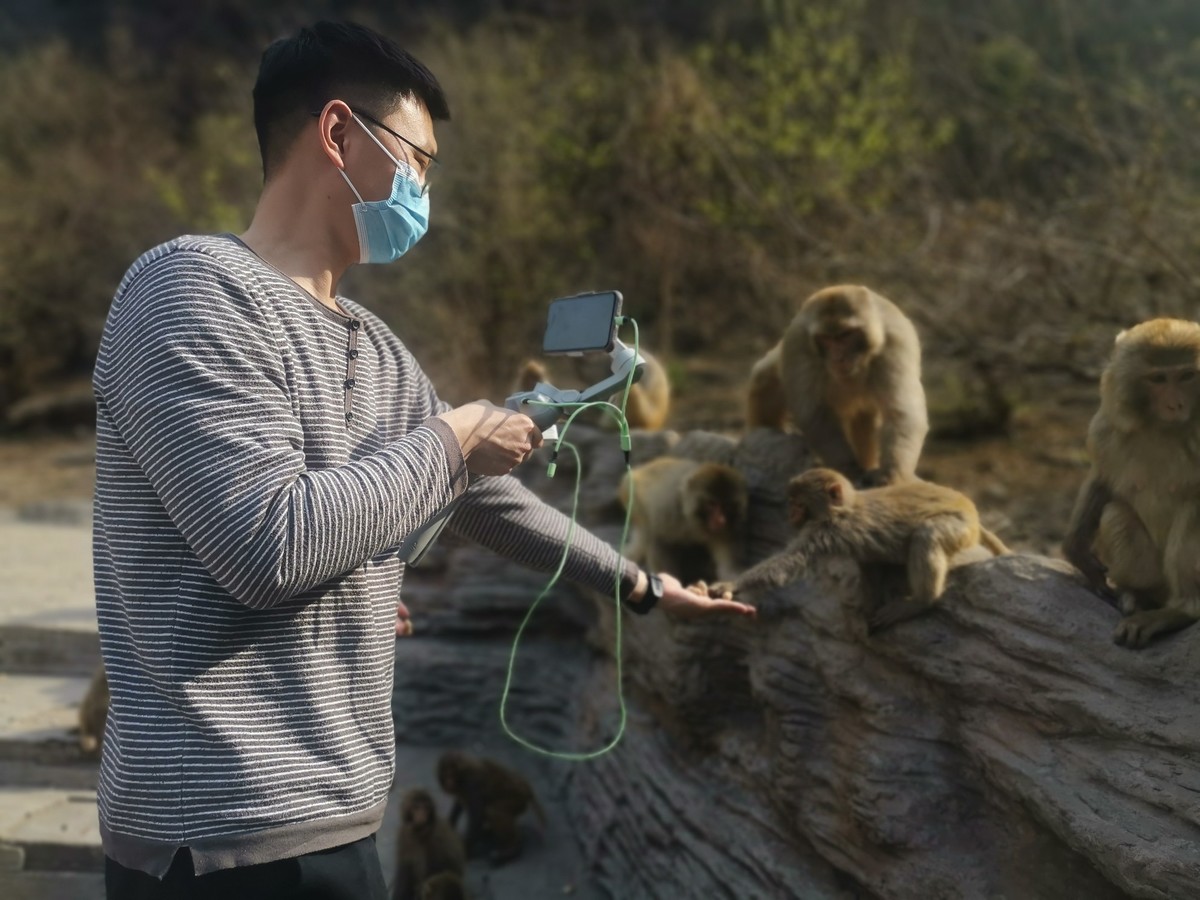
[618, 414]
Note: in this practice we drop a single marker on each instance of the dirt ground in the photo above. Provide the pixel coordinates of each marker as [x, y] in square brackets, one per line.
[40, 468]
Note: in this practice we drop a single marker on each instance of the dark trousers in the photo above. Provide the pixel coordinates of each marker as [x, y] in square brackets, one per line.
[349, 872]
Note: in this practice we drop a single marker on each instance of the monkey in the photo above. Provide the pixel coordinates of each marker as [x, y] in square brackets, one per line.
[649, 397]
[493, 797]
[93, 713]
[427, 845]
[848, 371]
[1135, 529]
[766, 403]
[916, 523]
[681, 503]
[444, 887]
[528, 376]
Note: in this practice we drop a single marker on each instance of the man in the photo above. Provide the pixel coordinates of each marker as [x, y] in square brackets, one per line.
[264, 447]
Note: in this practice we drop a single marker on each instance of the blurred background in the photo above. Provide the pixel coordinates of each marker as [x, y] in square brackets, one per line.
[1020, 176]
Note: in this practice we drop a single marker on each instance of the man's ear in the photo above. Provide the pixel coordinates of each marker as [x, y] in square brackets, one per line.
[333, 124]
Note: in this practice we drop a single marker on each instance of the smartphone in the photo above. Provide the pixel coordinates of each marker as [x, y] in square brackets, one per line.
[582, 323]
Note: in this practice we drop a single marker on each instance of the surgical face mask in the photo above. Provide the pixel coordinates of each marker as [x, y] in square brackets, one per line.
[388, 228]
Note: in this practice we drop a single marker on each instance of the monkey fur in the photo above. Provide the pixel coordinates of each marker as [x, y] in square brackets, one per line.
[493, 797]
[848, 371]
[428, 846]
[680, 504]
[1135, 529]
[914, 523]
[93, 713]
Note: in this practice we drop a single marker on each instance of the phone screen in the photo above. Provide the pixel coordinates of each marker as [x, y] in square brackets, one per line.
[580, 323]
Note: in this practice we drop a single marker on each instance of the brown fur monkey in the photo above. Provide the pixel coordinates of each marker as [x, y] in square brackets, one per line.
[427, 845]
[493, 797]
[528, 376]
[649, 397]
[93, 713]
[444, 887]
[681, 503]
[848, 370]
[1136, 522]
[915, 523]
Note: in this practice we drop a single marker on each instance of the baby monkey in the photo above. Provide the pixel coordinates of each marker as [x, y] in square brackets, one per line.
[427, 846]
[493, 797]
[915, 523]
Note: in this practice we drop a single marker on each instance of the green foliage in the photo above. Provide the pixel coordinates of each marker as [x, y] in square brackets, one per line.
[810, 120]
[973, 160]
[216, 191]
[74, 210]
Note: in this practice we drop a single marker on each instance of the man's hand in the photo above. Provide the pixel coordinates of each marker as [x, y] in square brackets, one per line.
[683, 603]
[404, 626]
[494, 440]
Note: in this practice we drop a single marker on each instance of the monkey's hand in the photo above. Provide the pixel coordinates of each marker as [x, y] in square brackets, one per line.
[1094, 572]
[718, 590]
[773, 572]
[683, 603]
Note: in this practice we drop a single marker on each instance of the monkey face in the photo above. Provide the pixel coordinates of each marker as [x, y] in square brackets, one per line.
[715, 520]
[418, 814]
[1171, 394]
[843, 346]
[418, 811]
[797, 512]
[715, 499]
[806, 503]
[813, 496]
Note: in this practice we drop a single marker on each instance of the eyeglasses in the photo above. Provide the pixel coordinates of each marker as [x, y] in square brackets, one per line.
[427, 163]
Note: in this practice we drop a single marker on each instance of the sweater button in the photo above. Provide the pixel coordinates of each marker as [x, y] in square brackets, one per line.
[355, 324]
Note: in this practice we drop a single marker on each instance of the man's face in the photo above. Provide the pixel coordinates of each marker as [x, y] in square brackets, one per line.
[406, 132]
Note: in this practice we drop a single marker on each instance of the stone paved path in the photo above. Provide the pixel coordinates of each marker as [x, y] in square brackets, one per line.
[49, 838]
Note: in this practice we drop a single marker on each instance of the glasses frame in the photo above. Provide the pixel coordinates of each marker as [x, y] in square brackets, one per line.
[433, 164]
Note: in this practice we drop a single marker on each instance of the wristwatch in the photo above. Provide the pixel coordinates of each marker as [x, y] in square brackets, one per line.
[654, 592]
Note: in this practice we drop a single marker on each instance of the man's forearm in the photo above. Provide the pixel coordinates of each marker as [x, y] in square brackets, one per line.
[505, 516]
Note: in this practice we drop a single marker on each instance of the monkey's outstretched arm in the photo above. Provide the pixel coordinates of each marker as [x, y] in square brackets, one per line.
[774, 571]
[905, 416]
[1094, 495]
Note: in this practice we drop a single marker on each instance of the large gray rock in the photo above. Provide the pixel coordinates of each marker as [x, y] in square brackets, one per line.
[1000, 747]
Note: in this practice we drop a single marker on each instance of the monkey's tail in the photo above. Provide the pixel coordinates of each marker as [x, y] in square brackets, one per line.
[993, 543]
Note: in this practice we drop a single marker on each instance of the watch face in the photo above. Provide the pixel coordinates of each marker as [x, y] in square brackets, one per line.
[656, 586]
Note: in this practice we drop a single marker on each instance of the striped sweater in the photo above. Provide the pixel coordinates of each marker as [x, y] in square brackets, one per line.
[260, 460]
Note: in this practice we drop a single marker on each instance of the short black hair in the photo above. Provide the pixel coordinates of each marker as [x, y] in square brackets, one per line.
[298, 75]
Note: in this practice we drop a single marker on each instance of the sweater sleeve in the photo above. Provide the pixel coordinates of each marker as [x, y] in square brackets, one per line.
[505, 516]
[192, 377]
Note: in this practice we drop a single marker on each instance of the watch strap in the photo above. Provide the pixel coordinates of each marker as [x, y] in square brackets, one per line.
[654, 592]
